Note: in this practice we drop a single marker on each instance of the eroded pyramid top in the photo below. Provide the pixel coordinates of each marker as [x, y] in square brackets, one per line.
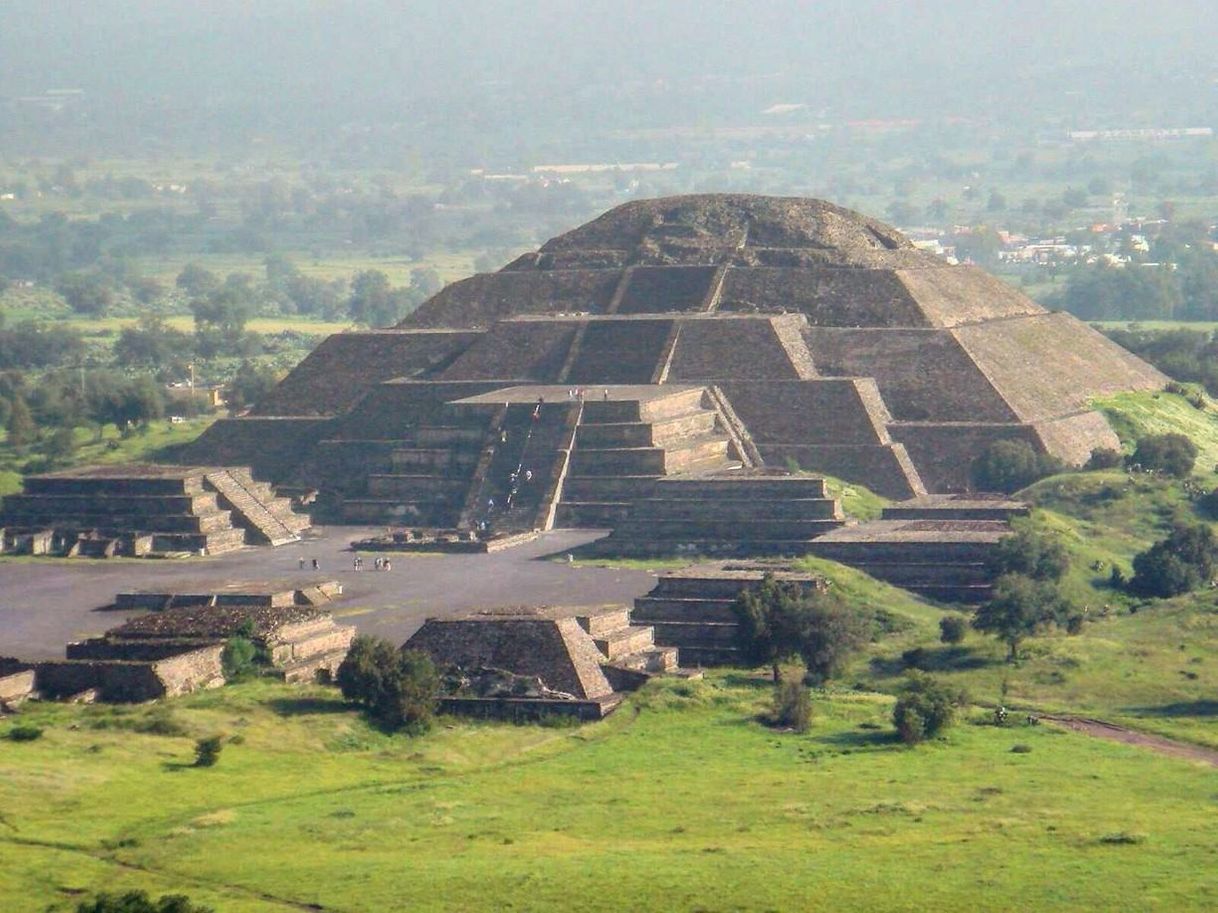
[736, 229]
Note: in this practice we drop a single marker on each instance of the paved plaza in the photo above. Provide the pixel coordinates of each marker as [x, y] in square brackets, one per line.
[45, 603]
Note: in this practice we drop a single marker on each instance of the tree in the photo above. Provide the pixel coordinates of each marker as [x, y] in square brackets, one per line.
[925, 708]
[1030, 553]
[1171, 454]
[778, 621]
[792, 705]
[21, 428]
[196, 281]
[1018, 609]
[151, 343]
[140, 902]
[250, 384]
[1182, 562]
[1009, 465]
[397, 687]
[85, 293]
[371, 301]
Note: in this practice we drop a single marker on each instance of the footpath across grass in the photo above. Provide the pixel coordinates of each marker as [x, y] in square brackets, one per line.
[681, 801]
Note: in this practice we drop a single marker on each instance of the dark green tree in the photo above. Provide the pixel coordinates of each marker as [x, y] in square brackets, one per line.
[952, 629]
[1171, 454]
[398, 688]
[21, 428]
[1031, 553]
[1009, 465]
[1019, 608]
[1184, 561]
[778, 621]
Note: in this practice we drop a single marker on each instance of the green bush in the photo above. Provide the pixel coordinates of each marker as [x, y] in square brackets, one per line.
[1185, 561]
[925, 708]
[24, 733]
[952, 629]
[1171, 454]
[240, 658]
[792, 705]
[398, 687]
[207, 750]
[140, 902]
[1105, 458]
[1010, 465]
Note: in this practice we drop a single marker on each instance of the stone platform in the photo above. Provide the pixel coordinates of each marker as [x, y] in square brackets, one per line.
[138, 510]
[691, 608]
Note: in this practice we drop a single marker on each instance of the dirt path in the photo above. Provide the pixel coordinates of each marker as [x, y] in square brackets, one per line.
[1164, 746]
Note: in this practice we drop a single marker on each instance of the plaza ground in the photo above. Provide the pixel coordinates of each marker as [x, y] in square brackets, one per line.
[45, 603]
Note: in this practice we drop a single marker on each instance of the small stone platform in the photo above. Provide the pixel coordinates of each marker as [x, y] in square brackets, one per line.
[140, 510]
[270, 593]
[936, 547]
[691, 608]
[522, 661]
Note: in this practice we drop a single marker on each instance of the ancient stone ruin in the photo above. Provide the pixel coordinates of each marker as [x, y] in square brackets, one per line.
[177, 647]
[142, 510]
[670, 338]
[528, 662]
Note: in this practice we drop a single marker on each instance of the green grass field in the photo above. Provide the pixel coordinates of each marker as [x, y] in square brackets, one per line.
[679, 801]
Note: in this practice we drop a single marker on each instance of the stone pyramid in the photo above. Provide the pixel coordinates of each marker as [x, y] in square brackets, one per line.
[818, 337]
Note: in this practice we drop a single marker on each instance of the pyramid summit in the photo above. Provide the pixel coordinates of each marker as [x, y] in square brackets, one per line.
[706, 333]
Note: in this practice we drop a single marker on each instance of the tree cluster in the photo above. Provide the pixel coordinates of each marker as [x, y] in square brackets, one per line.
[1182, 562]
[140, 902]
[1009, 465]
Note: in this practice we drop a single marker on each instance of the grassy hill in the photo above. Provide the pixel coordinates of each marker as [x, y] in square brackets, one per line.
[681, 801]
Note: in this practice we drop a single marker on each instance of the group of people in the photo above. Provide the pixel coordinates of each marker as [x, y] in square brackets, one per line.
[381, 564]
[316, 566]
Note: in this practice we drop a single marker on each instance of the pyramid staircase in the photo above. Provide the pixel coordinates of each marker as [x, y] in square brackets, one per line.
[626, 645]
[623, 446]
[255, 507]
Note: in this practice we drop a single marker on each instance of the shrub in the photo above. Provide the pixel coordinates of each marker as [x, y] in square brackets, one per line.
[1030, 553]
[792, 705]
[1009, 465]
[952, 629]
[1181, 563]
[397, 687]
[140, 902]
[240, 658]
[207, 750]
[925, 708]
[1105, 458]
[24, 733]
[1171, 454]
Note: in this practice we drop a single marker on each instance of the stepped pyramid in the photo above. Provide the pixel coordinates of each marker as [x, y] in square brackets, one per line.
[780, 330]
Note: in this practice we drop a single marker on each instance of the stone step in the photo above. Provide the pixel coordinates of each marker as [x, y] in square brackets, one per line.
[644, 434]
[914, 574]
[758, 488]
[653, 661]
[450, 436]
[416, 487]
[921, 552]
[132, 505]
[591, 514]
[743, 508]
[410, 461]
[686, 634]
[679, 402]
[624, 641]
[644, 526]
[606, 621]
[607, 488]
[214, 521]
[696, 454]
[694, 656]
[638, 461]
[648, 610]
[604, 412]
